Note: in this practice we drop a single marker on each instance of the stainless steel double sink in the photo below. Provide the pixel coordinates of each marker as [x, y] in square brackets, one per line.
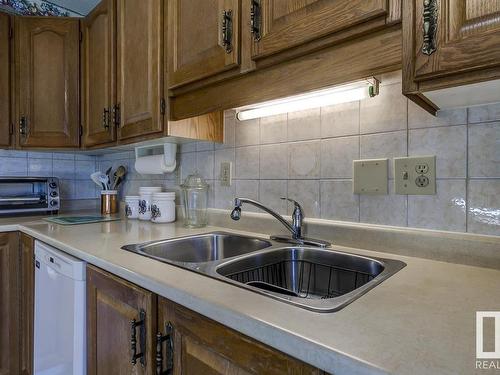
[317, 279]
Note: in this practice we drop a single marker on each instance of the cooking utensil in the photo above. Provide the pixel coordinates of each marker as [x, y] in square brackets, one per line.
[100, 179]
[119, 174]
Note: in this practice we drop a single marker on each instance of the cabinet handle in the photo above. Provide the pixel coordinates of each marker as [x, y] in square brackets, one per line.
[105, 118]
[429, 26]
[227, 30]
[116, 115]
[255, 20]
[23, 126]
[133, 339]
[160, 339]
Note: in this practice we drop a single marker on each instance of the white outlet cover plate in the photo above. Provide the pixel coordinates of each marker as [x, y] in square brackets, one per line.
[226, 169]
[406, 174]
[369, 176]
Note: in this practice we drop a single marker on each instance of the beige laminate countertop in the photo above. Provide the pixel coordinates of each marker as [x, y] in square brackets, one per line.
[419, 321]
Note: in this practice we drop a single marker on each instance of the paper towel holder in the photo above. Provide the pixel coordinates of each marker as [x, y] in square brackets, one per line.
[168, 150]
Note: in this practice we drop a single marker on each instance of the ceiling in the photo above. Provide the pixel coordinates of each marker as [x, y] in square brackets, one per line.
[82, 7]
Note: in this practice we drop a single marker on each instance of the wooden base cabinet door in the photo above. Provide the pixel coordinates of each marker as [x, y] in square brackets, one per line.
[9, 303]
[121, 321]
[5, 92]
[27, 299]
[98, 75]
[140, 107]
[188, 343]
[280, 25]
[203, 39]
[47, 56]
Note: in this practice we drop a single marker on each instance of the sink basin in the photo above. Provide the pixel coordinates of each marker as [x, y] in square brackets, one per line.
[314, 278]
[207, 247]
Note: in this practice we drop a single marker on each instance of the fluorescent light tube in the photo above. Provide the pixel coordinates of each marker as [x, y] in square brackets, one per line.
[335, 95]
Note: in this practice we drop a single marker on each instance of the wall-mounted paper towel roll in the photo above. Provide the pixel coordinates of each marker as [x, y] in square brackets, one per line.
[156, 164]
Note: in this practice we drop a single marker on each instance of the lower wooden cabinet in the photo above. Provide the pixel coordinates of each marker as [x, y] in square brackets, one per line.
[168, 338]
[121, 325]
[16, 303]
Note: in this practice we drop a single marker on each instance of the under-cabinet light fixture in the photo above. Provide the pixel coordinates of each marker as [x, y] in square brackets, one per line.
[366, 88]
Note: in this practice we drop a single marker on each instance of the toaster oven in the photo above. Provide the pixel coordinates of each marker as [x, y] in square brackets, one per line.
[29, 195]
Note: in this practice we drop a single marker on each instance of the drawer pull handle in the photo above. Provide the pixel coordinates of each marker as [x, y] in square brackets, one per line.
[256, 20]
[227, 30]
[160, 339]
[133, 339]
[429, 26]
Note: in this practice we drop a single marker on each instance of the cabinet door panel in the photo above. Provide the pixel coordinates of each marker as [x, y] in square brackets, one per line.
[289, 23]
[98, 72]
[466, 38]
[139, 67]
[112, 303]
[27, 299]
[5, 93]
[9, 302]
[48, 51]
[202, 346]
[195, 39]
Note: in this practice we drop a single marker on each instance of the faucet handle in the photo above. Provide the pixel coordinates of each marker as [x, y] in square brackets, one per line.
[295, 203]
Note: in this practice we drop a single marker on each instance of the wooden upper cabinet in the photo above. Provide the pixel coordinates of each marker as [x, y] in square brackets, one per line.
[5, 88]
[139, 67]
[98, 75]
[9, 303]
[112, 305]
[47, 59]
[192, 344]
[203, 39]
[462, 35]
[279, 25]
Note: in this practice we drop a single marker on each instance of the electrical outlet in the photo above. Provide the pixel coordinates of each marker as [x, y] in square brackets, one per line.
[225, 173]
[415, 175]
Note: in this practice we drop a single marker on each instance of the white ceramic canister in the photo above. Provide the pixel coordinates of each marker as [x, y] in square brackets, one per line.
[132, 206]
[146, 193]
[163, 207]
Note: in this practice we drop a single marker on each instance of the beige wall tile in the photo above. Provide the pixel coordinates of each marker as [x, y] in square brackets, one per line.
[483, 113]
[304, 125]
[420, 118]
[383, 145]
[338, 201]
[270, 193]
[248, 189]
[385, 112]
[247, 162]
[224, 195]
[443, 211]
[224, 155]
[484, 150]
[247, 132]
[306, 192]
[304, 159]
[449, 144]
[340, 120]
[229, 131]
[337, 155]
[388, 209]
[205, 164]
[484, 207]
[274, 161]
[273, 129]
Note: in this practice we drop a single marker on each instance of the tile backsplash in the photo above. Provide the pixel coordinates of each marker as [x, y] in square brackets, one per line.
[73, 170]
[308, 156]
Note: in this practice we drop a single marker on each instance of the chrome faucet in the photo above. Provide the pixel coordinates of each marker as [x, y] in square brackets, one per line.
[295, 228]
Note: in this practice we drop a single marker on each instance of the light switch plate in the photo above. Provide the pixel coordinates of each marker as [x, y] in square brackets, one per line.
[225, 173]
[415, 175]
[369, 176]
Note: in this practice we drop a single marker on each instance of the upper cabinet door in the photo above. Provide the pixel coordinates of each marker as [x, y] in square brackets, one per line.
[139, 67]
[98, 74]
[47, 81]
[203, 39]
[283, 24]
[459, 36]
[5, 93]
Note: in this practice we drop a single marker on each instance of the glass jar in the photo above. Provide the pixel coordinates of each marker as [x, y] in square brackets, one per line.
[195, 200]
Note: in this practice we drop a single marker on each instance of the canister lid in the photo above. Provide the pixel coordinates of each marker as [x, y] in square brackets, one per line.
[132, 197]
[194, 181]
[164, 195]
[149, 189]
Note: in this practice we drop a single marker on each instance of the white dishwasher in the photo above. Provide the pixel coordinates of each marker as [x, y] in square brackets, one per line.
[60, 344]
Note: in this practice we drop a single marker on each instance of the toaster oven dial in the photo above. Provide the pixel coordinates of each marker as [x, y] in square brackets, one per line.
[52, 185]
[53, 203]
[53, 194]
